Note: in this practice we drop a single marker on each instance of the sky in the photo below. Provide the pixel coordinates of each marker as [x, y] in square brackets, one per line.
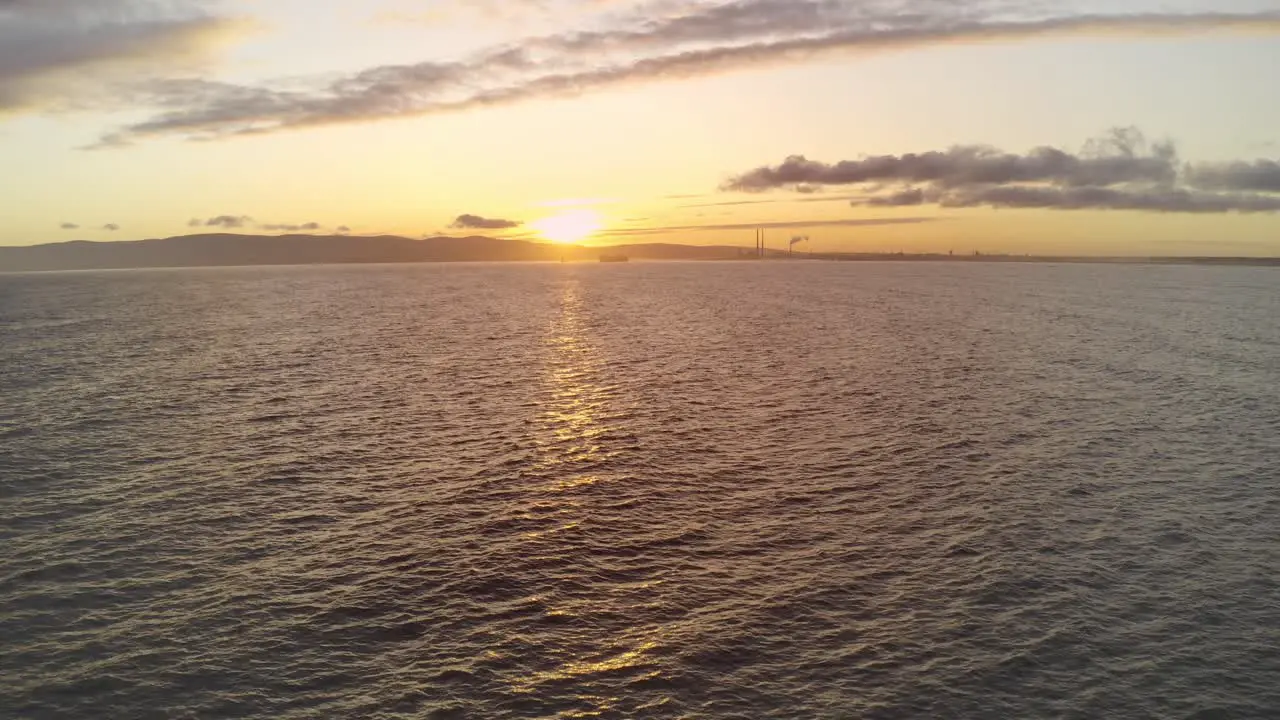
[1076, 127]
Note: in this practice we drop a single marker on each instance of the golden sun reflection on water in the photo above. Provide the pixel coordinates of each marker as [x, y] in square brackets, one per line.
[570, 427]
[572, 431]
[580, 668]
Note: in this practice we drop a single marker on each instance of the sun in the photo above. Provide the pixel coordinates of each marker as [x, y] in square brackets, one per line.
[569, 227]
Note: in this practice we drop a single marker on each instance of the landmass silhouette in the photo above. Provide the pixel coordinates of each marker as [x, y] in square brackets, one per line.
[226, 249]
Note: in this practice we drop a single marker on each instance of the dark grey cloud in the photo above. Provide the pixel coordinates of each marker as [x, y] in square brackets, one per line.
[1256, 176]
[60, 52]
[111, 227]
[663, 26]
[343, 230]
[806, 196]
[222, 221]
[1122, 158]
[475, 222]
[700, 39]
[1167, 200]
[69, 226]
[902, 198]
[289, 227]
[1119, 171]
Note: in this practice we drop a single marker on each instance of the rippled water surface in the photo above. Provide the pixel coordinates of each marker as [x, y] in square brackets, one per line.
[738, 490]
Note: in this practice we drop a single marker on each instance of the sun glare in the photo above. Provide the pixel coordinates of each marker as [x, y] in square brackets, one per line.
[569, 227]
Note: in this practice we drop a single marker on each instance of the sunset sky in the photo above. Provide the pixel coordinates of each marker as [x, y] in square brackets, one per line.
[915, 125]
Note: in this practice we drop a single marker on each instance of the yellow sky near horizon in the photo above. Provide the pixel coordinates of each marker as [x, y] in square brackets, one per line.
[341, 150]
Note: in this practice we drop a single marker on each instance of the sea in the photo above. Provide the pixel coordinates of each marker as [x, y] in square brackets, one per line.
[644, 490]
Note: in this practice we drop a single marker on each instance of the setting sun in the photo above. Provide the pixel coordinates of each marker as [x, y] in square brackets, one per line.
[569, 227]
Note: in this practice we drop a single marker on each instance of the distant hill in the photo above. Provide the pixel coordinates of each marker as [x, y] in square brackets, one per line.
[232, 250]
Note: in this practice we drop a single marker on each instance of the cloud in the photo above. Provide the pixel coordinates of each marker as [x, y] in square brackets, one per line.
[1169, 200]
[807, 195]
[69, 226]
[1122, 158]
[287, 227]
[475, 222]
[222, 221]
[729, 203]
[902, 198]
[61, 53]
[686, 39]
[777, 225]
[240, 221]
[111, 227]
[1257, 176]
[1118, 171]
[343, 230]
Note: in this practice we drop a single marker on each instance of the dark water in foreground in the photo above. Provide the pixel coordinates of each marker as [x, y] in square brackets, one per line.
[756, 490]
